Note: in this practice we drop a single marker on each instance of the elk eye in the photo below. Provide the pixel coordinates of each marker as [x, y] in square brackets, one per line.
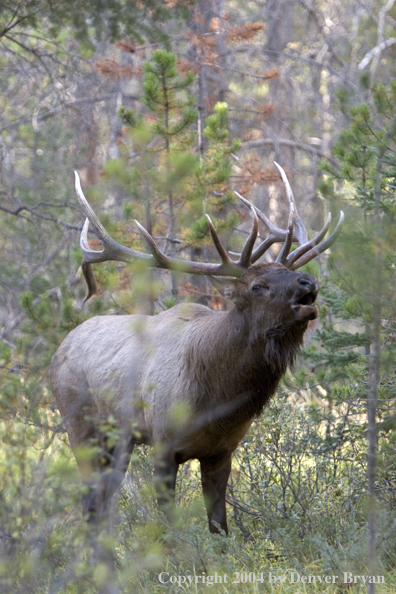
[257, 289]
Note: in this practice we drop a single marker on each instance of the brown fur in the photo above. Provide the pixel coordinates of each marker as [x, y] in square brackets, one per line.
[189, 381]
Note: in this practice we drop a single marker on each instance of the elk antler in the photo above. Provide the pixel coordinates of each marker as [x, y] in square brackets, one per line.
[296, 232]
[115, 251]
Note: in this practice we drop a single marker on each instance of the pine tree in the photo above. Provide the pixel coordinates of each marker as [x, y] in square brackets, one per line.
[365, 278]
[165, 173]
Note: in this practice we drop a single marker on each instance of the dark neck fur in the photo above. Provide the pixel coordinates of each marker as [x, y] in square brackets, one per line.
[236, 363]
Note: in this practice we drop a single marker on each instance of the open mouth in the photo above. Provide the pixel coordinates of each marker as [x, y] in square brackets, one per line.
[304, 308]
[308, 299]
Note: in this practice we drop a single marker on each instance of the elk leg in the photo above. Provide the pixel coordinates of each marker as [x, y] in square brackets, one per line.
[110, 467]
[214, 477]
[165, 472]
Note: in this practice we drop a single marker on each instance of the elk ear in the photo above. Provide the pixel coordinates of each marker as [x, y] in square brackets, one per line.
[225, 286]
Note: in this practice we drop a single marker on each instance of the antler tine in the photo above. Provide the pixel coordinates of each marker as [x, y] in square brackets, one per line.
[276, 235]
[275, 231]
[302, 233]
[272, 229]
[282, 256]
[111, 249]
[318, 249]
[245, 258]
[226, 268]
[300, 251]
[307, 249]
[216, 240]
[162, 260]
[84, 238]
[86, 266]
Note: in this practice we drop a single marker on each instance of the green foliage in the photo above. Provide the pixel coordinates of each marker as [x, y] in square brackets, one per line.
[111, 20]
[360, 290]
[160, 92]
[359, 147]
[167, 173]
[297, 503]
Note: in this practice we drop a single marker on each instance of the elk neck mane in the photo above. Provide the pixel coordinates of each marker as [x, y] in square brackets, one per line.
[231, 357]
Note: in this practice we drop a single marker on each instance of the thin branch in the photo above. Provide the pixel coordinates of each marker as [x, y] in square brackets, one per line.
[51, 112]
[12, 369]
[375, 52]
[10, 25]
[34, 271]
[17, 211]
[250, 144]
[221, 67]
[301, 59]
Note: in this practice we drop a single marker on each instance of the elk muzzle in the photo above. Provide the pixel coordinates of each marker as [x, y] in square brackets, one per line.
[305, 297]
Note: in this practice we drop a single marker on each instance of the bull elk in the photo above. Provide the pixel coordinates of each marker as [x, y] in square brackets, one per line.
[220, 367]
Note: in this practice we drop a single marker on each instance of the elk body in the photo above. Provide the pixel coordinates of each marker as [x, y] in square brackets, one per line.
[218, 368]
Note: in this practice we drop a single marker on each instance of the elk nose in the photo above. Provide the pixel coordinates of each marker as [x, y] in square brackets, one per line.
[308, 283]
